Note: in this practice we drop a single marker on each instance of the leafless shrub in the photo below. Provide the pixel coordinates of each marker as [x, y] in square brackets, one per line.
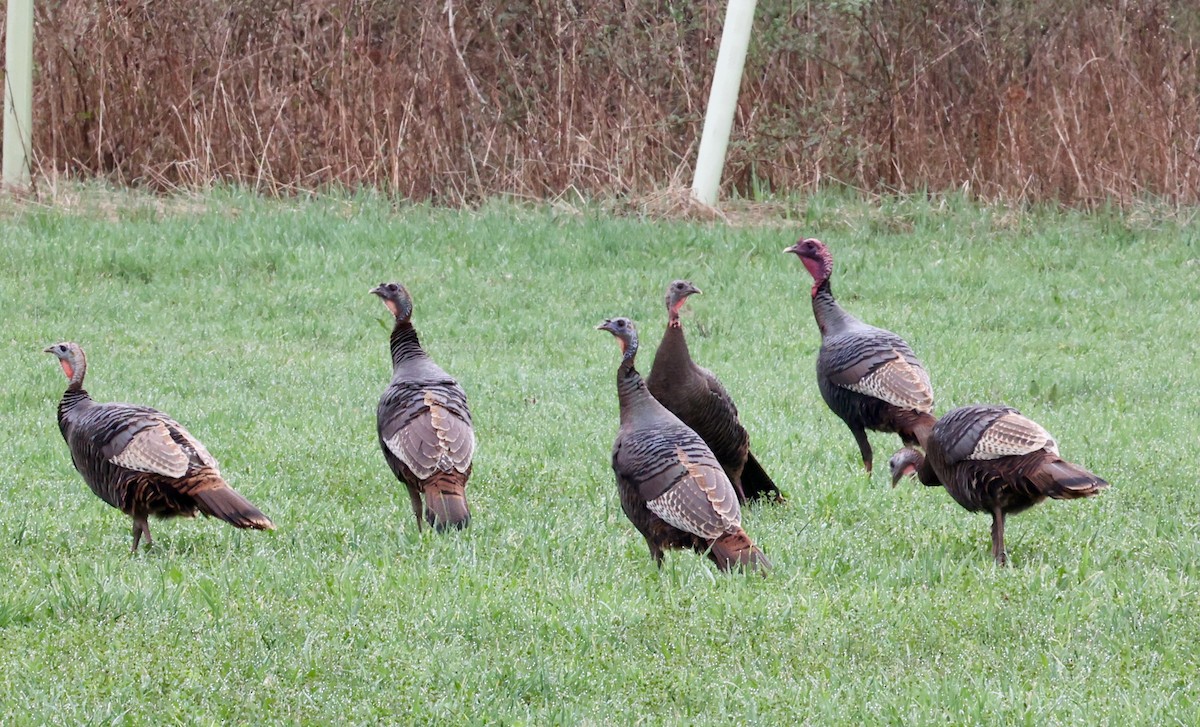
[454, 101]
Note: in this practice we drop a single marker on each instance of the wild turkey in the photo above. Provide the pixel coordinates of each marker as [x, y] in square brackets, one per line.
[424, 423]
[141, 461]
[696, 396]
[868, 376]
[993, 459]
[671, 486]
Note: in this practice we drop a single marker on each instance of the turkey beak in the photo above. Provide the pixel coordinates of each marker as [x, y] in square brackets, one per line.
[377, 290]
[48, 349]
[696, 291]
[900, 469]
[793, 249]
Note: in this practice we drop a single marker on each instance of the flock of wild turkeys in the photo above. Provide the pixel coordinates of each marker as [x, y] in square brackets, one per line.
[682, 458]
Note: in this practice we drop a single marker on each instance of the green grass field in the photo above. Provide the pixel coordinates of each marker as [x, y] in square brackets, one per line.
[251, 323]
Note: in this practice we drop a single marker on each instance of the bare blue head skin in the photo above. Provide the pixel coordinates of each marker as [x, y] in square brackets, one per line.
[905, 462]
[396, 298]
[816, 258]
[70, 357]
[625, 332]
[677, 294]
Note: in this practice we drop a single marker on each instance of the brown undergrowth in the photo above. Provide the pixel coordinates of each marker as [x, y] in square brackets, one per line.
[454, 102]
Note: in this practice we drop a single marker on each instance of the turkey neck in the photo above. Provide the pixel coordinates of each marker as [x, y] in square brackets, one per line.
[405, 345]
[672, 356]
[831, 317]
[925, 472]
[632, 393]
[74, 397]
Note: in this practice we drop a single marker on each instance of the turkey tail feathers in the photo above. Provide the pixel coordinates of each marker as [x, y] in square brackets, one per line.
[227, 504]
[756, 483]
[1065, 481]
[446, 503]
[736, 550]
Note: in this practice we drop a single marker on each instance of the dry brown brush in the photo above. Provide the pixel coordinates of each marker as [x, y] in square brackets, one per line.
[453, 101]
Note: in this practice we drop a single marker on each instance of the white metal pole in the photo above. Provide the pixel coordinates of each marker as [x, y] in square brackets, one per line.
[722, 99]
[18, 93]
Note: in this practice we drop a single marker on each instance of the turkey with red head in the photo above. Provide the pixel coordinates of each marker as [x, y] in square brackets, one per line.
[671, 486]
[141, 461]
[868, 376]
[993, 459]
[694, 394]
[424, 424]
